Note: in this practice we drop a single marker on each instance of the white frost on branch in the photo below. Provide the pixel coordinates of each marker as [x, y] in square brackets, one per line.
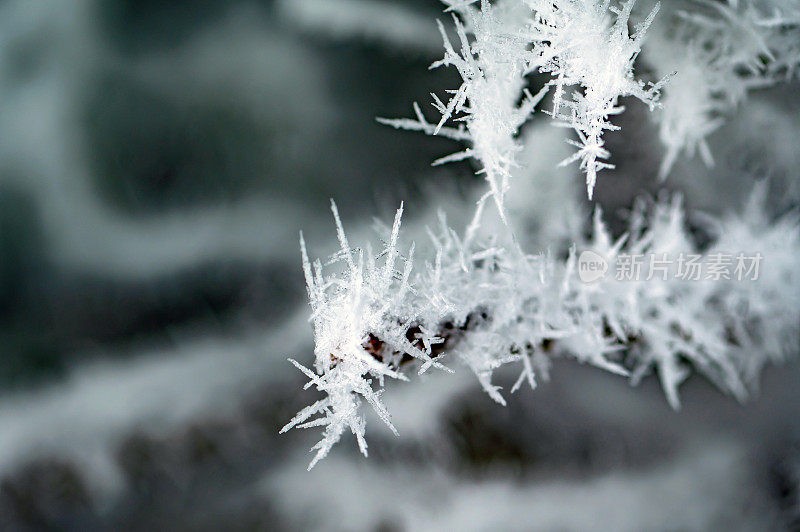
[481, 301]
[583, 44]
[486, 304]
[350, 310]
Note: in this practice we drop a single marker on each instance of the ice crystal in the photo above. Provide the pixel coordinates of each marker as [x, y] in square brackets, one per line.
[486, 304]
[478, 300]
[586, 44]
[720, 52]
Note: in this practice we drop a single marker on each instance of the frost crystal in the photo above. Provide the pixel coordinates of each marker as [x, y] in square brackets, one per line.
[492, 58]
[720, 52]
[488, 304]
[479, 301]
[350, 311]
[580, 43]
[585, 43]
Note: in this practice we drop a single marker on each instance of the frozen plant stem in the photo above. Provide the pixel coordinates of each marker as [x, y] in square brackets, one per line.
[484, 306]
[483, 303]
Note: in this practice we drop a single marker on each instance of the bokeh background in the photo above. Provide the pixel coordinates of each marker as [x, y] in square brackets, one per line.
[157, 161]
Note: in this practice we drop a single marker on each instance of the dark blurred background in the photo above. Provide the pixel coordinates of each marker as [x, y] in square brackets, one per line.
[157, 161]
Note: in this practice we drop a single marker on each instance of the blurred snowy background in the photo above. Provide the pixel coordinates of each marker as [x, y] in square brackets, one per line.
[157, 160]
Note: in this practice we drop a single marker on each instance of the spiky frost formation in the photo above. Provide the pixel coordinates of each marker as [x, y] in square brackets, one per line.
[488, 304]
[581, 43]
[763, 317]
[720, 52]
[349, 310]
[586, 44]
[492, 58]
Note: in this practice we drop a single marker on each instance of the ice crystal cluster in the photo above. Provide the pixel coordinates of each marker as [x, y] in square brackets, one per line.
[583, 44]
[578, 45]
[719, 52]
[477, 300]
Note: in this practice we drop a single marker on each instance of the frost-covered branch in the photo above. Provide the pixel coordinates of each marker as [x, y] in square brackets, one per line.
[479, 300]
[585, 44]
[487, 304]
